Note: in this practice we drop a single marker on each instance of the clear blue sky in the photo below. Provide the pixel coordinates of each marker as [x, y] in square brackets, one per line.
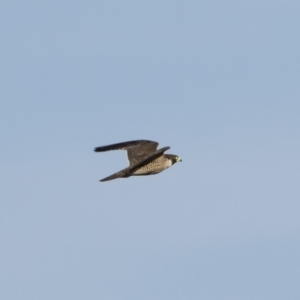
[218, 81]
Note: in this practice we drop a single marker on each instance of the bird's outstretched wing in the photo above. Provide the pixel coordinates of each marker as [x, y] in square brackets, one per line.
[136, 150]
[131, 169]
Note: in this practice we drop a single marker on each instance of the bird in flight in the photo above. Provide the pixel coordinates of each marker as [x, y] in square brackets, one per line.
[143, 156]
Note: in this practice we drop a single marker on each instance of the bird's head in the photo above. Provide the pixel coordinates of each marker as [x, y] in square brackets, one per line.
[175, 158]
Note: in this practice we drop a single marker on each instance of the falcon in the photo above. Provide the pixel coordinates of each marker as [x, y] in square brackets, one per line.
[143, 157]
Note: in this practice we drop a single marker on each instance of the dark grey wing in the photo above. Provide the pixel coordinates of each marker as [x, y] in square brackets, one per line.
[130, 170]
[122, 146]
[120, 174]
[136, 150]
[141, 151]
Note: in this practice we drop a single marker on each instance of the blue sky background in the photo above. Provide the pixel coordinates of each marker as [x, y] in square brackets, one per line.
[218, 81]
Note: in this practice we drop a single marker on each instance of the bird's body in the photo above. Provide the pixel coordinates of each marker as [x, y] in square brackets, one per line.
[156, 166]
[143, 156]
